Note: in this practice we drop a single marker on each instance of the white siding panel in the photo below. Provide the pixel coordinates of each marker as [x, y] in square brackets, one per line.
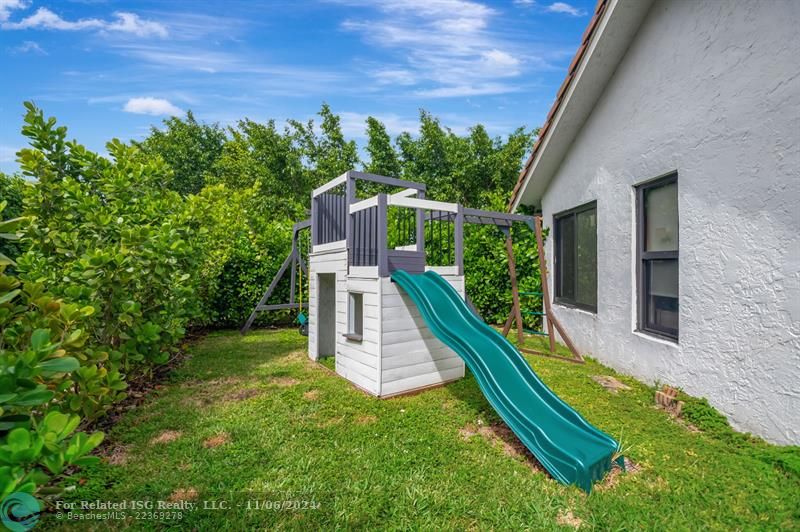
[346, 368]
[420, 381]
[436, 366]
[411, 356]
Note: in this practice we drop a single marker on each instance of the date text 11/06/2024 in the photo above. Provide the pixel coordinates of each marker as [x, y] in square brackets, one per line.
[189, 506]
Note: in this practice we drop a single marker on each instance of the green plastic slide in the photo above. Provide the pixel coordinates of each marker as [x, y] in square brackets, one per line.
[569, 447]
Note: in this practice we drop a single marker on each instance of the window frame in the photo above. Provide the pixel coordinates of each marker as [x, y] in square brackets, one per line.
[355, 319]
[643, 256]
[572, 303]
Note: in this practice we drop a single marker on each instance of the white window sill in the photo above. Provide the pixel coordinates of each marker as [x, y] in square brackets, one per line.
[589, 313]
[656, 339]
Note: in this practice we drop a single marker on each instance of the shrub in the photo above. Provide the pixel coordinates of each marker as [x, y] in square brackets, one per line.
[11, 189]
[106, 234]
[243, 247]
[40, 349]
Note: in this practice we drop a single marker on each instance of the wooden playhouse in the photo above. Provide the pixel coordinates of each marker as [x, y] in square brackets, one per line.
[357, 314]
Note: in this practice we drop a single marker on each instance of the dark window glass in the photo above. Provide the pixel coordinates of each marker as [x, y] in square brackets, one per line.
[586, 254]
[566, 257]
[576, 257]
[661, 279]
[657, 252]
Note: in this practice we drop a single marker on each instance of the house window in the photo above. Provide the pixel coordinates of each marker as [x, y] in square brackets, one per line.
[576, 257]
[657, 256]
[355, 316]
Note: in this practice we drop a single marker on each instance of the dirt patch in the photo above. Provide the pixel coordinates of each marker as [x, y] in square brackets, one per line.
[500, 434]
[283, 382]
[215, 441]
[685, 424]
[311, 395]
[366, 420]
[296, 356]
[167, 436]
[330, 422]
[223, 381]
[117, 455]
[567, 518]
[613, 477]
[241, 395]
[183, 494]
[468, 432]
[610, 383]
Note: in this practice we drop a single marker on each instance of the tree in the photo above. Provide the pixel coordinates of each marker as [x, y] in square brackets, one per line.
[383, 158]
[328, 154]
[190, 148]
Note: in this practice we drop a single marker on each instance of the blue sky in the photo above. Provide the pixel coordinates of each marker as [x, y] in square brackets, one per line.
[113, 68]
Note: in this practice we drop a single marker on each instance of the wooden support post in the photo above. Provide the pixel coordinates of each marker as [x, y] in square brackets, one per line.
[458, 236]
[509, 322]
[293, 278]
[350, 198]
[512, 270]
[545, 286]
[314, 221]
[383, 259]
[268, 293]
[566, 338]
[420, 224]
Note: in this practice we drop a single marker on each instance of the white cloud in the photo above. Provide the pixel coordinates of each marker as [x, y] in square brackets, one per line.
[444, 43]
[7, 6]
[28, 47]
[394, 76]
[133, 24]
[354, 125]
[44, 18]
[525, 3]
[129, 23]
[151, 106]
[8, 154]
[453, 91]
[500, 60]
[561, 7]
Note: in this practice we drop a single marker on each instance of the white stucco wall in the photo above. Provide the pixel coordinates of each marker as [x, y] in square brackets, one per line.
[712, 90]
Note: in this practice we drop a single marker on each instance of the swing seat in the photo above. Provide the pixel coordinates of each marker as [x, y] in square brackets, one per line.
[302, 319]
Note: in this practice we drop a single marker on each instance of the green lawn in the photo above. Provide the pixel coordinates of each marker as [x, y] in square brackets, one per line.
[253, 419]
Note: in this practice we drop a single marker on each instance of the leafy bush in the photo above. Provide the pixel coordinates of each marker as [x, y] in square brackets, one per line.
[243, 248]
[106, 235]
[11, 189]
[40, 353]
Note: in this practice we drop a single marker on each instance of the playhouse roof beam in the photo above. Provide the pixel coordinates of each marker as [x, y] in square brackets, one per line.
[333, 183]
[364, 204]
[407, 193]
[416, 203]
[385, 180]
[495, 215]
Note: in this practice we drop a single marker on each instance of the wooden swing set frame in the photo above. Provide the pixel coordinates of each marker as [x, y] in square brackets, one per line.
[515, 316]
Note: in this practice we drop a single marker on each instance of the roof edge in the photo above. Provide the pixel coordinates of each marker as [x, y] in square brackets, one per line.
[604, 10]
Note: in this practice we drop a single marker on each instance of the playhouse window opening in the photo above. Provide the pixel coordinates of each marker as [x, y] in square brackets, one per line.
[439, 237]
[576, 257]
[657, 256]
[355, 316]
